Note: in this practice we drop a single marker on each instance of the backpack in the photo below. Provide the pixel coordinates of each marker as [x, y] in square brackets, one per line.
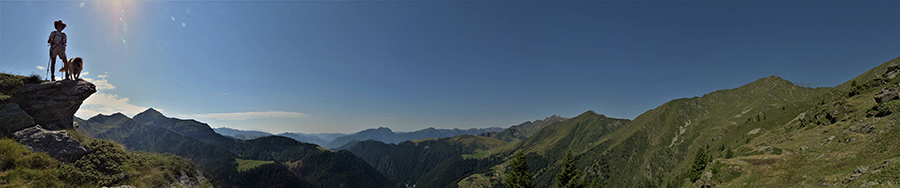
[57, 38]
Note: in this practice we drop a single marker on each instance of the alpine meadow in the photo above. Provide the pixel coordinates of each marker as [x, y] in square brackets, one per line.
[446, 94]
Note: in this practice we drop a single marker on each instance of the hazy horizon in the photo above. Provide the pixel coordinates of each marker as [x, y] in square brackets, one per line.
[342, 67]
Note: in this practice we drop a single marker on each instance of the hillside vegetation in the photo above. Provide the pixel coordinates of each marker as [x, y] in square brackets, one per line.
[766, 133]
[109, 164]
[10, 83]
[293, 163]
[429, 162]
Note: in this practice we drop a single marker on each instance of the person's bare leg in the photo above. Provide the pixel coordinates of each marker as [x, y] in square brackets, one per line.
[52, 69]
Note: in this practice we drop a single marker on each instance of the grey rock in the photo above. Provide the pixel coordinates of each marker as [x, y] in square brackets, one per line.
[58, 144]
[124, 186]
[53, 104]
[13, 118]
[891, 72]
[856, 173]
[184, 180]
[869, 184]
[861, 170]
[887, 95]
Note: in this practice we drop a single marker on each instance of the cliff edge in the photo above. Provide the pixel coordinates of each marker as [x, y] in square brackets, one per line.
[36, 115]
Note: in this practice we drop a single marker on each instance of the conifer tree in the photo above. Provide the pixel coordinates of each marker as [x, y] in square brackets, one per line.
[700, 160]
[568, 175]
[518, 175]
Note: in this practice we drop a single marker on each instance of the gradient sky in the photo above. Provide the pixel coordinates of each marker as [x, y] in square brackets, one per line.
[316, 67]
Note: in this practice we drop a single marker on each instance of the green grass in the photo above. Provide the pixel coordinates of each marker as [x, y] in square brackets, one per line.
[22, 168]
[109, 164]
[10, 83]
[244, 165]
[807, 160]
[479, 155]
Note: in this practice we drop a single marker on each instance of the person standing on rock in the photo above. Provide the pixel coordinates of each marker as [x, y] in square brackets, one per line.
[57, 43]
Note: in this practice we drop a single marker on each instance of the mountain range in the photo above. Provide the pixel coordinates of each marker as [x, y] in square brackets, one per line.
[285, 162]
[335, 140]
[767, 133]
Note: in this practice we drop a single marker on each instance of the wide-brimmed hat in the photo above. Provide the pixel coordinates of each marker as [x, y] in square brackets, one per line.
[59, 23]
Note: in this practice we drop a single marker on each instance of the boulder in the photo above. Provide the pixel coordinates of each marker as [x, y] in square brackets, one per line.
[891, 72]
[13, 118]
[53, 104]
[59, 144]
[887, 95]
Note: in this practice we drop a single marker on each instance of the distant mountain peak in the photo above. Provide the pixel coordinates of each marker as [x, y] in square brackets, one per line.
[103, 118]
[150, 112]
[591, 113]
[117, 114]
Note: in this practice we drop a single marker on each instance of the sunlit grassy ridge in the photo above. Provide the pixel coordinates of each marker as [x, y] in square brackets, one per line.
[244, 165]
[762, 125]
[827, 143]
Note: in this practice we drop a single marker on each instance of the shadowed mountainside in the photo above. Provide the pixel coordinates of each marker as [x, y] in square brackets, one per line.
[428, 162]
[521, 131]
[385, 135]
[296, 163]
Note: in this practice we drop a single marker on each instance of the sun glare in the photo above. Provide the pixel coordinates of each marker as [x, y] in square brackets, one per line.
[118, 14]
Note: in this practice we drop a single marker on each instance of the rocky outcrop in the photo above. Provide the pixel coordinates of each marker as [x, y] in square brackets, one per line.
[891, 72]
[53, 104]
[13, 118]
[59, 144]
[38, 110]
[887, 95]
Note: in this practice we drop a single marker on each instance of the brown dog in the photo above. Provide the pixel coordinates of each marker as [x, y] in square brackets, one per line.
[73, 68]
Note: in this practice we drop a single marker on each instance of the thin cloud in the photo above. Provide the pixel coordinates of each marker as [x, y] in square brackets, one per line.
[238, 116]
[103, 102]
[101, 82]
[41, 67]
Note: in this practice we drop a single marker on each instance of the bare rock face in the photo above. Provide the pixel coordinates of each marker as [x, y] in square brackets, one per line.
[59, 144]
[13, 118]
[53, 104]
[887, 95]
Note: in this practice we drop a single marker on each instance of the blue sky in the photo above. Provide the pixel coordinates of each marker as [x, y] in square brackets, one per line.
[320, 66]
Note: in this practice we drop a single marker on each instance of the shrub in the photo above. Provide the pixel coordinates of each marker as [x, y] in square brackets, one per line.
[104, 165]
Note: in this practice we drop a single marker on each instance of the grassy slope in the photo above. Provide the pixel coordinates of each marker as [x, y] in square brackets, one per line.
[808, 158]
[23, 168]
[244, 165]
[657, 148]
[545, 147]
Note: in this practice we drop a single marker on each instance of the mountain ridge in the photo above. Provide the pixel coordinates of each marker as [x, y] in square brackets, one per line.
[753, 122]
[299, 164]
